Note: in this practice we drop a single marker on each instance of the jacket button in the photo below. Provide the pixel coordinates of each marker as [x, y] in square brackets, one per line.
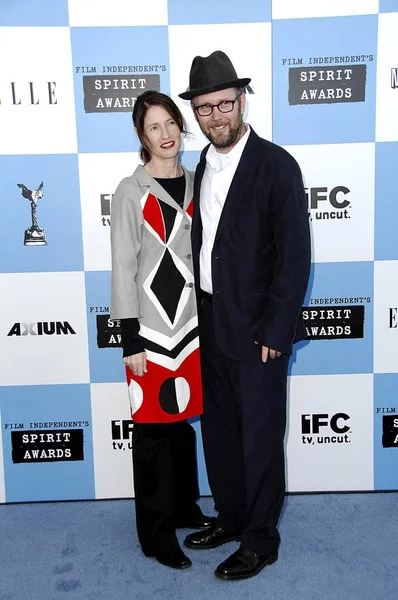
[189, 256]
[190, 284]
[217, 257]
[186, 226]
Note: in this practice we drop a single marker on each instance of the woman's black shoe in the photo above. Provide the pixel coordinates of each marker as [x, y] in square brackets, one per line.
[176, 559]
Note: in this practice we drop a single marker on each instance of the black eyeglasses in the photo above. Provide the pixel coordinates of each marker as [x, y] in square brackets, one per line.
[226, 106]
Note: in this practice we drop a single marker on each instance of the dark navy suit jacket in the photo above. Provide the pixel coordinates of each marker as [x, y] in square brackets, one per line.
[261, 254]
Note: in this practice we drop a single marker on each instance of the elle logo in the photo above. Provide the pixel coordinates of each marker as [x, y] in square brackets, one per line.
[394, 79]
[31, 93]
[393, 318]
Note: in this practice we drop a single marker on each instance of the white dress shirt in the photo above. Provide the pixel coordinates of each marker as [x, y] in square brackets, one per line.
[217, 178]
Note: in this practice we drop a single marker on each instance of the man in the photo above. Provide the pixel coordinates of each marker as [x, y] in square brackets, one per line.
[251, 252]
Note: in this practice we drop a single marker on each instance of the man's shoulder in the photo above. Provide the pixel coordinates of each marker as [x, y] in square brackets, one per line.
[270, 150]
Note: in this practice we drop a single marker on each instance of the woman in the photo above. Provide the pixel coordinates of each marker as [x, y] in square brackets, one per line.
[153, 296]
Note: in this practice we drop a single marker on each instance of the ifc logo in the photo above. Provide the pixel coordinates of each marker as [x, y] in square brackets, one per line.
[336, 198]
[312, 424]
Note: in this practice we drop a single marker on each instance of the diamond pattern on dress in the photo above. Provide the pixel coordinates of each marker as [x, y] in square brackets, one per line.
[168, 285]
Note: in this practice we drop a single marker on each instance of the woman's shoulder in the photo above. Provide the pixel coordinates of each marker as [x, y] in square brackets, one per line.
[129, 186]
[188, 173]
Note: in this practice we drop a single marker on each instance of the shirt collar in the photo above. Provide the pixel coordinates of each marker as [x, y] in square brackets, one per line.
[219, 161]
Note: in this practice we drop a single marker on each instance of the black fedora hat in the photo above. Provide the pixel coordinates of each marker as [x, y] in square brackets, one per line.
[211, 74]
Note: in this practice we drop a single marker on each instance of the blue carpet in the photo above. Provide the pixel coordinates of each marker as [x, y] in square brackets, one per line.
[334, 547]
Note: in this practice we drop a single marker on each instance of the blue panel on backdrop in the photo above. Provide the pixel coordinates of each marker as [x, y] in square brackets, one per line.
[386, 431]
[34, 13]
[56, 208]
[346, 291]
[202, 474]
[112, 65]
[190, 159]
[47, 442]
[386, 201]
[182, 12]
[324, 80]
[106, 363]
[388, 6]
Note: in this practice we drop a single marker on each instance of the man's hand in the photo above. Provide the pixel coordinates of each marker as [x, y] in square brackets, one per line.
[137, 363]
[267, 353]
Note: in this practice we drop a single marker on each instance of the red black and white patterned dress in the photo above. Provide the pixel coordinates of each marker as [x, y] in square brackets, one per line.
[152, 280]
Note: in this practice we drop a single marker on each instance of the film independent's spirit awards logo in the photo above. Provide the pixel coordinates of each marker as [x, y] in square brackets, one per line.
[55, 441]
[108, 330]
[34, 235]
[337, 79]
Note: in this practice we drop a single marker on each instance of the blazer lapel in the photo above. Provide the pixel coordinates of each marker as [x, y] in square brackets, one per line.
[243, 176]
[146, 180]
[188, 188]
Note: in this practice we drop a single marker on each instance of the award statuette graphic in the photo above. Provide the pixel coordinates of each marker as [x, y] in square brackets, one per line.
[34, 235]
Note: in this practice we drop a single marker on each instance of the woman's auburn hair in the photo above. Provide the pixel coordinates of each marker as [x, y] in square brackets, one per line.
[141, 106]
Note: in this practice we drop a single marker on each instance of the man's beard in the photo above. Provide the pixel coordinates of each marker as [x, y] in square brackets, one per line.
[224, 141]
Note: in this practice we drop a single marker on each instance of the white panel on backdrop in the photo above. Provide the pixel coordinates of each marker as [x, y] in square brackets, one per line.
[43, 330]
[339, 180]
[248, 45]
[330, 433]
[387, 79]
[2, 483]
[99, 176]
[294, 9]
[112, 427]
[36, 91]
[386, 316]
[96, 13]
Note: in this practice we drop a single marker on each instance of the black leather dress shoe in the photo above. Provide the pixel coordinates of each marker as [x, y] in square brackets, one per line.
[175, 559]
[243, 564]
[212, 537]
[197, 522]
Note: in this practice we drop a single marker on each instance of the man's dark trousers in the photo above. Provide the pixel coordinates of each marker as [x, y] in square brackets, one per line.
[243, 427]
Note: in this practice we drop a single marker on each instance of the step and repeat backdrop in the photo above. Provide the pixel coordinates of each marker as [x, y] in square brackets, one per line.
[324, 86]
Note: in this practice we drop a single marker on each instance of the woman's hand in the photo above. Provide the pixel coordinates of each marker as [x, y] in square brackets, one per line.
[137, 363]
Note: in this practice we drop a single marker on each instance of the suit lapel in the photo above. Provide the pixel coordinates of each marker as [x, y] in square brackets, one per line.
[243, 176]
[200, 169]
[196, 219]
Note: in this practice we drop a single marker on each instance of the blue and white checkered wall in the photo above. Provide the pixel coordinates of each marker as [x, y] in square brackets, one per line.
[325, 86]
